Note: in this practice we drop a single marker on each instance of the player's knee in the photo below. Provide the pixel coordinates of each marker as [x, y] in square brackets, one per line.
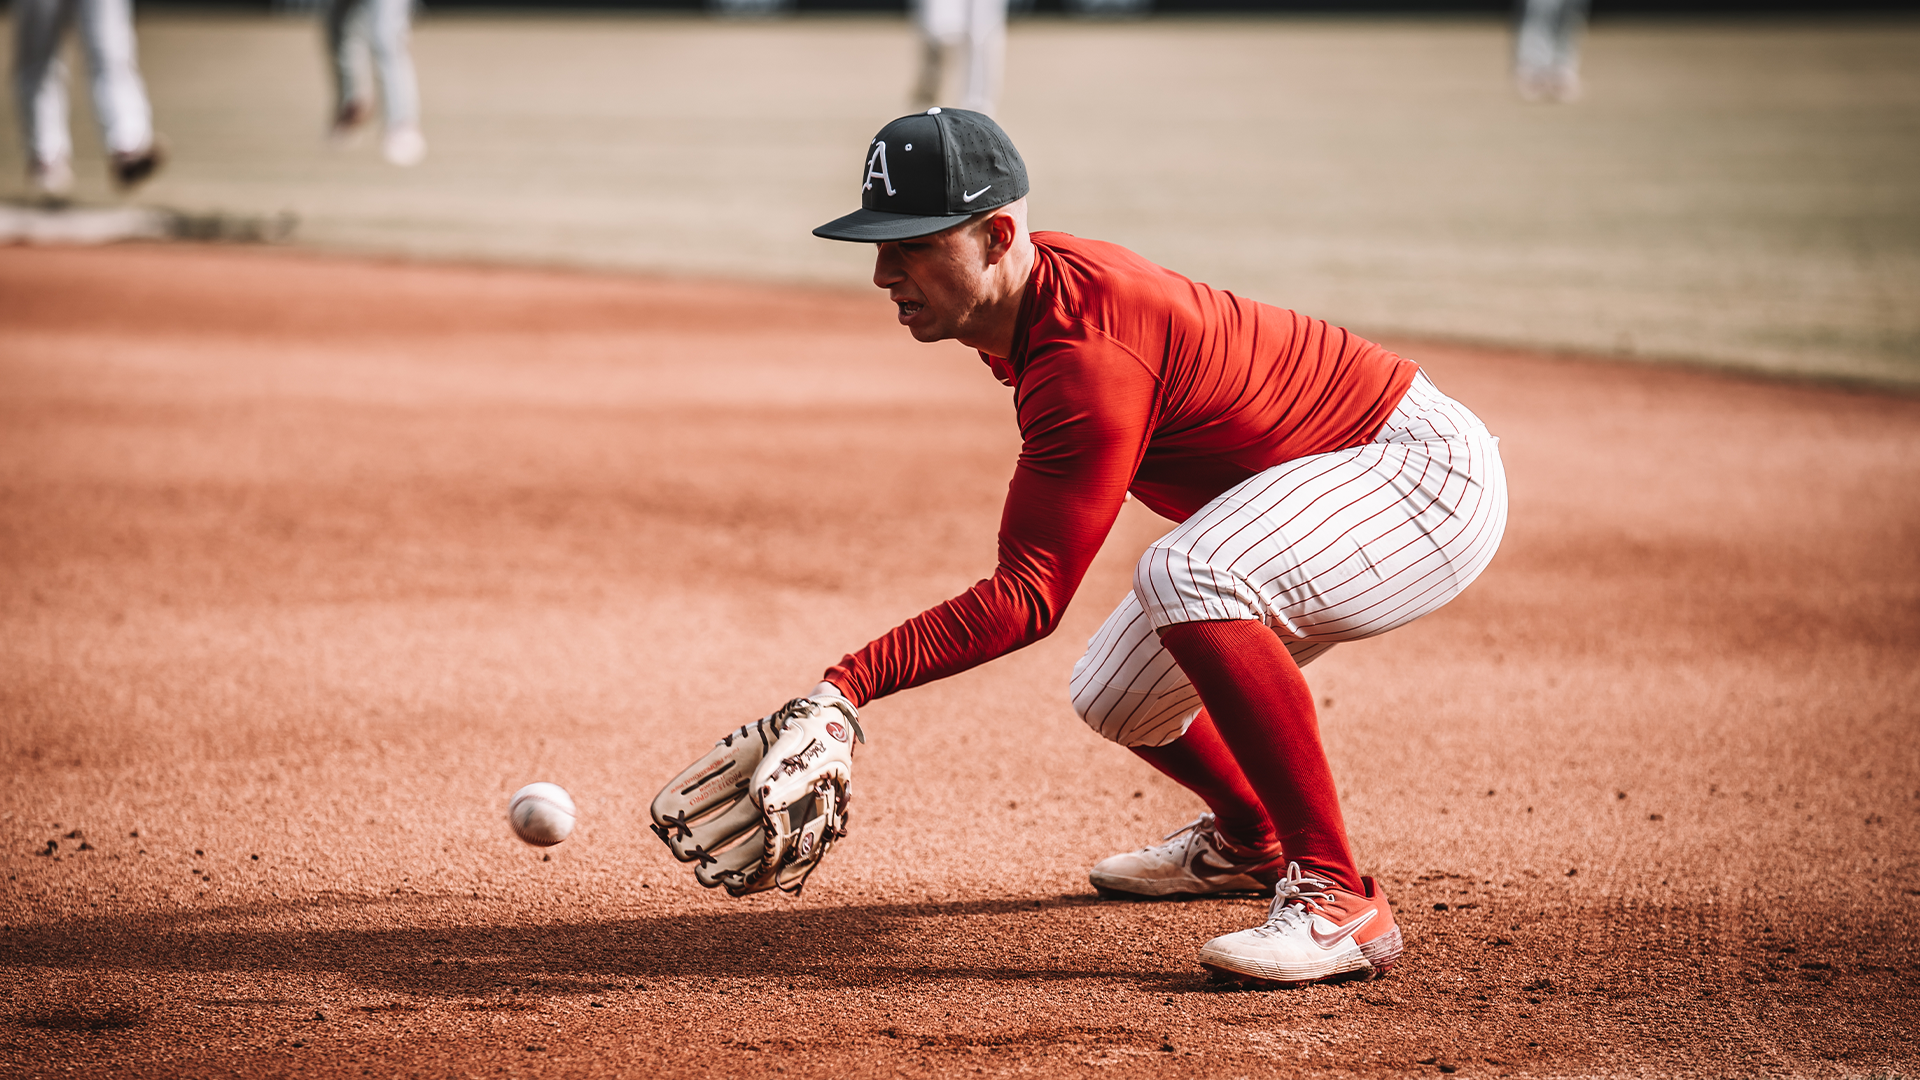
[1176, 585]
[1129, 717]
[1086, 706]
[1086, 691]
[1101, 705]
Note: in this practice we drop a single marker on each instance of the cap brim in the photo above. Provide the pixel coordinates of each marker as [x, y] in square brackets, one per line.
[877, 226]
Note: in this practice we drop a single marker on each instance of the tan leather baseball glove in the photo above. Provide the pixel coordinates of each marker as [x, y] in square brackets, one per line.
[761, 808]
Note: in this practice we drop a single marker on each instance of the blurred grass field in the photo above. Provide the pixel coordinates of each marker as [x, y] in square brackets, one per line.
[1738, 193]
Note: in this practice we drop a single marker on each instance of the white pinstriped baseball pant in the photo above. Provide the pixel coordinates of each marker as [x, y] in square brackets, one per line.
[1329, 548]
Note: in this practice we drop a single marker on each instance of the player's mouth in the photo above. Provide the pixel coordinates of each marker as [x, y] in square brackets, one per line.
[908, 309]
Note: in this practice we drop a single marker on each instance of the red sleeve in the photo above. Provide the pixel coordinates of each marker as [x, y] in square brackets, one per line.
[1085, 408]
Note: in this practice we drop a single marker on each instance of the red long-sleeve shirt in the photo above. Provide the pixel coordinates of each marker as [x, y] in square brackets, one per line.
[1130, 377]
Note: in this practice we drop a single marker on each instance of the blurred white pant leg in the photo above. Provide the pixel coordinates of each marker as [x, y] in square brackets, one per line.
[971, 35]
[40, 78]
[1546, 48]
[1550, 32]
[386, 27]
[986, 54]
[390, 29]
[940, 24]
[113, 66]
[342, 39]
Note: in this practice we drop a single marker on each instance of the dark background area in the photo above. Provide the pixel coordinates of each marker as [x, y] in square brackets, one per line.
[1602, 9]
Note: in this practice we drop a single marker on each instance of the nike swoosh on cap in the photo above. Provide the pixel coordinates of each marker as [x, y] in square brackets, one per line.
[1341, 933]
[964, 197]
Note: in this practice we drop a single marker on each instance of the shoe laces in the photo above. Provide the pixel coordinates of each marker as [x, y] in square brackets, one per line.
[1205, 829]
[1296, 896]
[1203, 823]
[1199, 828]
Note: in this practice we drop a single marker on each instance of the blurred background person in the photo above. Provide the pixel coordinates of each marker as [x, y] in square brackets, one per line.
[1104, 9]
[1546, 49]
[963, 42]
[379, 28]
[119, 95]
[748, 9]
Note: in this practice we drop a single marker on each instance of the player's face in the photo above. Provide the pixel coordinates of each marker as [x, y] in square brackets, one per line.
[938, 283]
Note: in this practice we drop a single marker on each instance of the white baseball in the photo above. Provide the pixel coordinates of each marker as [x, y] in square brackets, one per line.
[542, 814]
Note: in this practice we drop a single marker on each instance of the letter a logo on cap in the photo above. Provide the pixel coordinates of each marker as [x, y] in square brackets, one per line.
[877, 166]
[952, 163]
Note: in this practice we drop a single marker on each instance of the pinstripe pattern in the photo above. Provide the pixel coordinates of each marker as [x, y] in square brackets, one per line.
[1329, 548]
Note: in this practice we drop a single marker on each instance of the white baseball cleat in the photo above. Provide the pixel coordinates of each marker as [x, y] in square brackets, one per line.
[50, 179]
[1193, 860]
[1315, 931]
[404, 146]
[1548, 84]
[132, 168]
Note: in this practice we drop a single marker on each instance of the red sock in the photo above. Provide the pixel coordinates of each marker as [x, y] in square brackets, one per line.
[1200, 762]
[1263, 710]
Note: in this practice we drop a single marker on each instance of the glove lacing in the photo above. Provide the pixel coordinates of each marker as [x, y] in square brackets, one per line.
[834, 828]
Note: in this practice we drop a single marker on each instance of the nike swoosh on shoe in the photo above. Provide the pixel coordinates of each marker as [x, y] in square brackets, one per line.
[1205, 867]
[1340, 933]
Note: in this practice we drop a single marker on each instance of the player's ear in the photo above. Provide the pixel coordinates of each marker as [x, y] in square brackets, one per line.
[1001, 231]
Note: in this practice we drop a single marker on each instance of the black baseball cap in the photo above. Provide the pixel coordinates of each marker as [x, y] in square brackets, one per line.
[928, 172]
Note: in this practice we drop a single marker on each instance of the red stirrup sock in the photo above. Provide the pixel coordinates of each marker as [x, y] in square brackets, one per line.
[1263, 709]
[1200, 762]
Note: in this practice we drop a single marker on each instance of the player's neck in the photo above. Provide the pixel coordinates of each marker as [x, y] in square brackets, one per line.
[998, 317]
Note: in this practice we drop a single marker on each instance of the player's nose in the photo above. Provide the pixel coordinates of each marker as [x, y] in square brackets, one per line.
[886, 266]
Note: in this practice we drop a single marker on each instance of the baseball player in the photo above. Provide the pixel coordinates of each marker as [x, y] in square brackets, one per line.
[119, 94]
[1326, 491]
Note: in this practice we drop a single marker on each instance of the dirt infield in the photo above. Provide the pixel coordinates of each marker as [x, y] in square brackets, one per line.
[306, 563]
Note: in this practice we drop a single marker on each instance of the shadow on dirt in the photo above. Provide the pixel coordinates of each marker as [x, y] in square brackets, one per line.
[67, 1018]
[872, 945]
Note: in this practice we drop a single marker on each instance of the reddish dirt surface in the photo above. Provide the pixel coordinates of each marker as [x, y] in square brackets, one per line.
[305, 564]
